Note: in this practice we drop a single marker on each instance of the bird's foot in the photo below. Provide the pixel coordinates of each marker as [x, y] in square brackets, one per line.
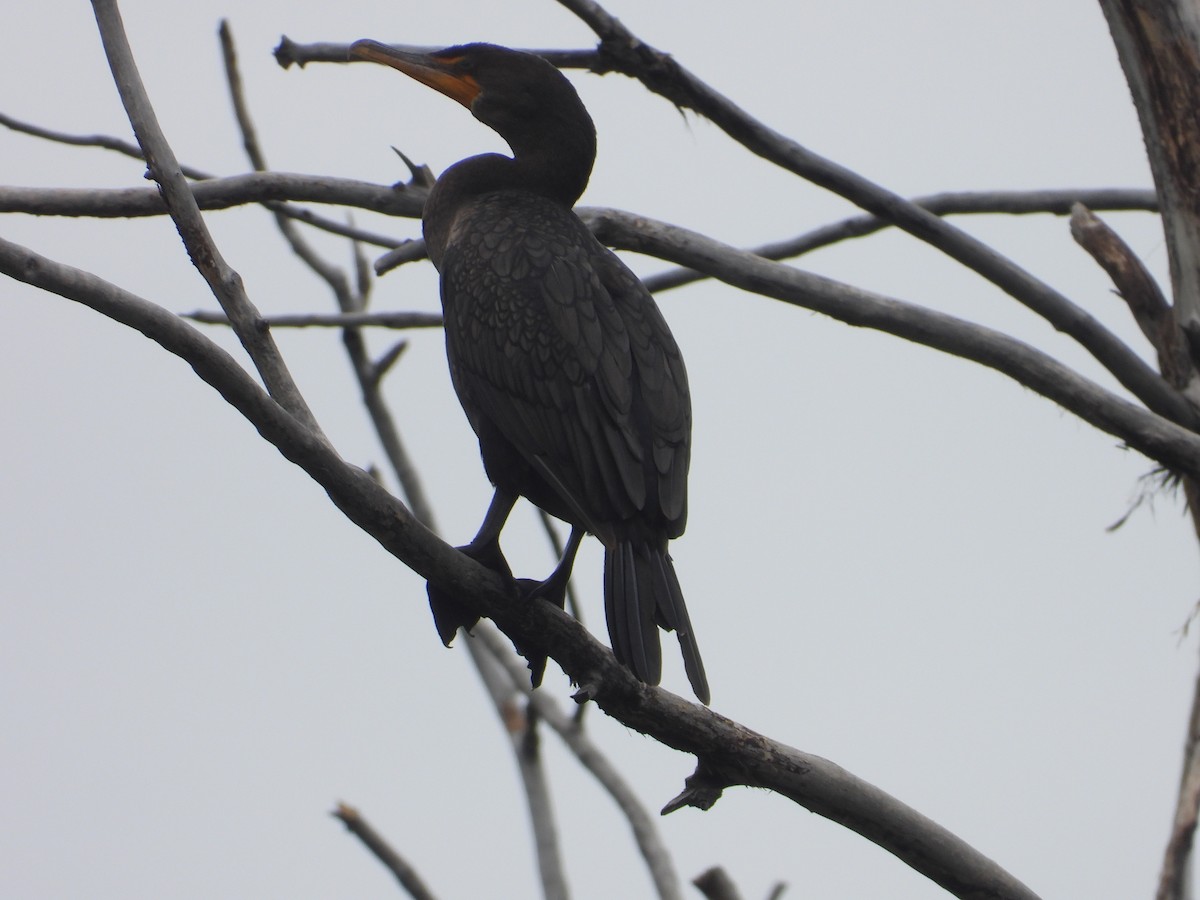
[534, 658]
[449, 612]
[553, 589]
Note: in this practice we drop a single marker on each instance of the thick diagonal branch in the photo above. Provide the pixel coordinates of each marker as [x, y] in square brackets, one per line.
[1152, 435]
[731, 752]
[222, 280]
[622, 51]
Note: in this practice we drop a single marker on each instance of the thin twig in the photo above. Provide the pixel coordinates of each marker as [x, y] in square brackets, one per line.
[133, 151]
[348, 302]
[398, 320]
[233, 80]
[715, 884]
[549, 855]
[1141, 293]
[412, 251]
[384, 852]
[521, 727]
[1172, 881]
[384, 364]
[290, 53]
[1055, 201]
[107, 142]
[645, 832]
[364, 280]
[220, 193]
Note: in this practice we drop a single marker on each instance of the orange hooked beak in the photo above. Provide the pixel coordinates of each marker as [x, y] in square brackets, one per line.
[438, 72]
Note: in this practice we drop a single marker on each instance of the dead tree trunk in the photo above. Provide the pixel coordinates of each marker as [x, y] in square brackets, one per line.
[1158, 43]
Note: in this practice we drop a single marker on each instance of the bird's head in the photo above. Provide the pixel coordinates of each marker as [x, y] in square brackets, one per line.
[519, 95]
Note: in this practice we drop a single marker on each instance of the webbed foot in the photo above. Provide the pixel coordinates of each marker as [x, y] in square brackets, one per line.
[449, 612]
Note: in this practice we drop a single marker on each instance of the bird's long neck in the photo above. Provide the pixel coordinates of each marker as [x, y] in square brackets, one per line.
[555, 166]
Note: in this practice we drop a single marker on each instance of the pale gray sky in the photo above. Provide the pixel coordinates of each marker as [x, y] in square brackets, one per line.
[894, 559]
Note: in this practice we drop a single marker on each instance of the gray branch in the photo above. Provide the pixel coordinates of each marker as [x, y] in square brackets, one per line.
[645, 833]
[1054, 201]
[133, 151]
[216, 193]
[521, 726]
[1150, 434]
[730, 753]
[622, 51]
[222, 280]
[399, 320]
[383, 851]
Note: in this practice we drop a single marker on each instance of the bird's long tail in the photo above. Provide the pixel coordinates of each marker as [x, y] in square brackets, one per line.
[641, 594]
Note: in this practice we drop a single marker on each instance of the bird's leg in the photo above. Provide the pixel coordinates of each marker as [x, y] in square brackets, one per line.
[554, 588]
[450, 613]
[485, 546]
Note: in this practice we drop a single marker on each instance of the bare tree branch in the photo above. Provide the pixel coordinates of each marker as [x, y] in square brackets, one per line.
[729, 754]
[621, 51]
[290, 53]
[107, 142]
[521, 726]
[1016, 203]
[384, 852]
[218, 193]
[521, 729]
[367, 373]
[1141, 293]
[1150, 434]
[1158, 44]
[1157, 320]
[133, 151]
[384, 364]
[715, 884]
[233, 79]
[399, 320]
[222, 280]
[1052, 201]
[413, 251]
[1172, 880]
[645, 832]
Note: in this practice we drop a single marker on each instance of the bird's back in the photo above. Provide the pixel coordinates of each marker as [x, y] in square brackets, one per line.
[566, 369]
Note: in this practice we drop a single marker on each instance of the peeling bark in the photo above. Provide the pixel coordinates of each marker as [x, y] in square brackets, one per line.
[1158, 44]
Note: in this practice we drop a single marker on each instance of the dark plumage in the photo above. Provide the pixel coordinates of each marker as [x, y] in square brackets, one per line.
[561, 360]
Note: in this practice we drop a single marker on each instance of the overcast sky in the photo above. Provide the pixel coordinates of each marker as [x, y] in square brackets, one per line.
[894, 559]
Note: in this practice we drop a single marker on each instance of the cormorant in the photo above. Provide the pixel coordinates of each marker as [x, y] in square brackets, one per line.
[563, 363]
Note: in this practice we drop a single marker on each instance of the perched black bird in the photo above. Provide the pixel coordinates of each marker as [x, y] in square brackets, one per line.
[561, 360]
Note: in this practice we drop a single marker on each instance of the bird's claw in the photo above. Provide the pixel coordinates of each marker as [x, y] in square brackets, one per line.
[449, 612]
